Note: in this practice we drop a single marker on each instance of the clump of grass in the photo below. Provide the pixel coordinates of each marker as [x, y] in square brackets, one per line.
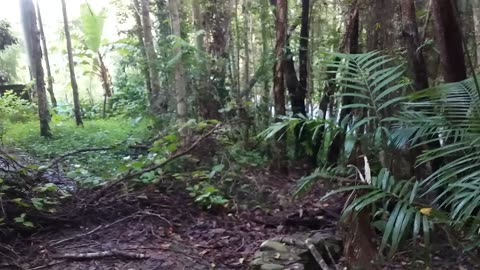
[67, 137]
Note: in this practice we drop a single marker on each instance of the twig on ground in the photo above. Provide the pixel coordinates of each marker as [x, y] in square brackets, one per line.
[318, 257]
[101, 227]
[158, 216]
[47, 265]
[102, 254]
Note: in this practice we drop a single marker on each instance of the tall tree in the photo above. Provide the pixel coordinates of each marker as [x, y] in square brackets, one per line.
[180, 84]
[281, 21]
[47, 61]
[216, 22]
[413, 42]
[303, 51]
[141, 44]
[476, 23]
[449, 40]
[71, 66]
[34, 50]
[158, 104]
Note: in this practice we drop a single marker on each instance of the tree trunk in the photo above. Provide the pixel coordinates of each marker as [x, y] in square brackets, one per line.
[303, 51]
[141, 44]
[281, 20]
[34, 50]
[449, 41]
[47, 61]
[476, 23]
[350, 46]
[73, 80]
[246, 45]
[158, 104]
[106, 83]
[180, 85]
[207, 100]
[413, 43]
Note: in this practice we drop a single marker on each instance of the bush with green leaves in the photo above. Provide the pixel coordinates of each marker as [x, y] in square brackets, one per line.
[384, 117]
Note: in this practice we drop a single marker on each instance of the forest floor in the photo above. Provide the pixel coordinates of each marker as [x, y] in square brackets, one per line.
[161, 227]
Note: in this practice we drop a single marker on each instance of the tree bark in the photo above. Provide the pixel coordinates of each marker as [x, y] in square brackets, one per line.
[350, 46]
[246, 45]
[158, 104]
[47, 61]
[73, 79]
[281, 20]
[180, 85]
[476, 23]
[141, 44]
[413, 43]
[303, 52]
[449, 41]
[34, 50]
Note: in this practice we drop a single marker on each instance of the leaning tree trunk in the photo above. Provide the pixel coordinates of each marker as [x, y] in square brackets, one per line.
[73, 79]
[47, 61]
[34, 50]
[158, 104]
[141, 45]
[449, 40]
[180, 85]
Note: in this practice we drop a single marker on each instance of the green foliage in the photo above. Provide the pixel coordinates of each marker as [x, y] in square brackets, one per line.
[89, 168]
[92, 26]
[207, 195]
[14, 109]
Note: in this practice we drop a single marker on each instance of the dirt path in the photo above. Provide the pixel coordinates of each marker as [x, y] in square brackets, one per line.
[169, 231]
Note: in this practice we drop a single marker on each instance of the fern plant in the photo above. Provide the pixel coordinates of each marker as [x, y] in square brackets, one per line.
[449, 116]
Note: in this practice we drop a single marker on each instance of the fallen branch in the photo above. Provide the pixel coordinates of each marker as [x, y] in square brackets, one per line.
[316, 255]
[171, 158]
[102, 254]
[101, 227]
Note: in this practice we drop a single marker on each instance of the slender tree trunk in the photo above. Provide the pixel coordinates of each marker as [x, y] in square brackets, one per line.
[303, 51]
[281, 22]
[246, 43]
[73, 80]
[181, 92]
[476, 23]
[47, 61]
[449, 41]
[34, 50]
[158, 104]
[412, 42]
[141, 44]
[106, 83]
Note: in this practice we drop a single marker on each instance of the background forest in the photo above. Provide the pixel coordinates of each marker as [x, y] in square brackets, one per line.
[224, 123]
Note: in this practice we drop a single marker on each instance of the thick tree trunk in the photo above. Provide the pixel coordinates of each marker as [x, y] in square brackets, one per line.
[412, 42]
[47, 61]
[281, 21]
[73, 79]
[208, 99]
[380, 19]
[158, 103]
[449, 41]
[180, 85]
[350, 46]
[141, 44]
[34, 50]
